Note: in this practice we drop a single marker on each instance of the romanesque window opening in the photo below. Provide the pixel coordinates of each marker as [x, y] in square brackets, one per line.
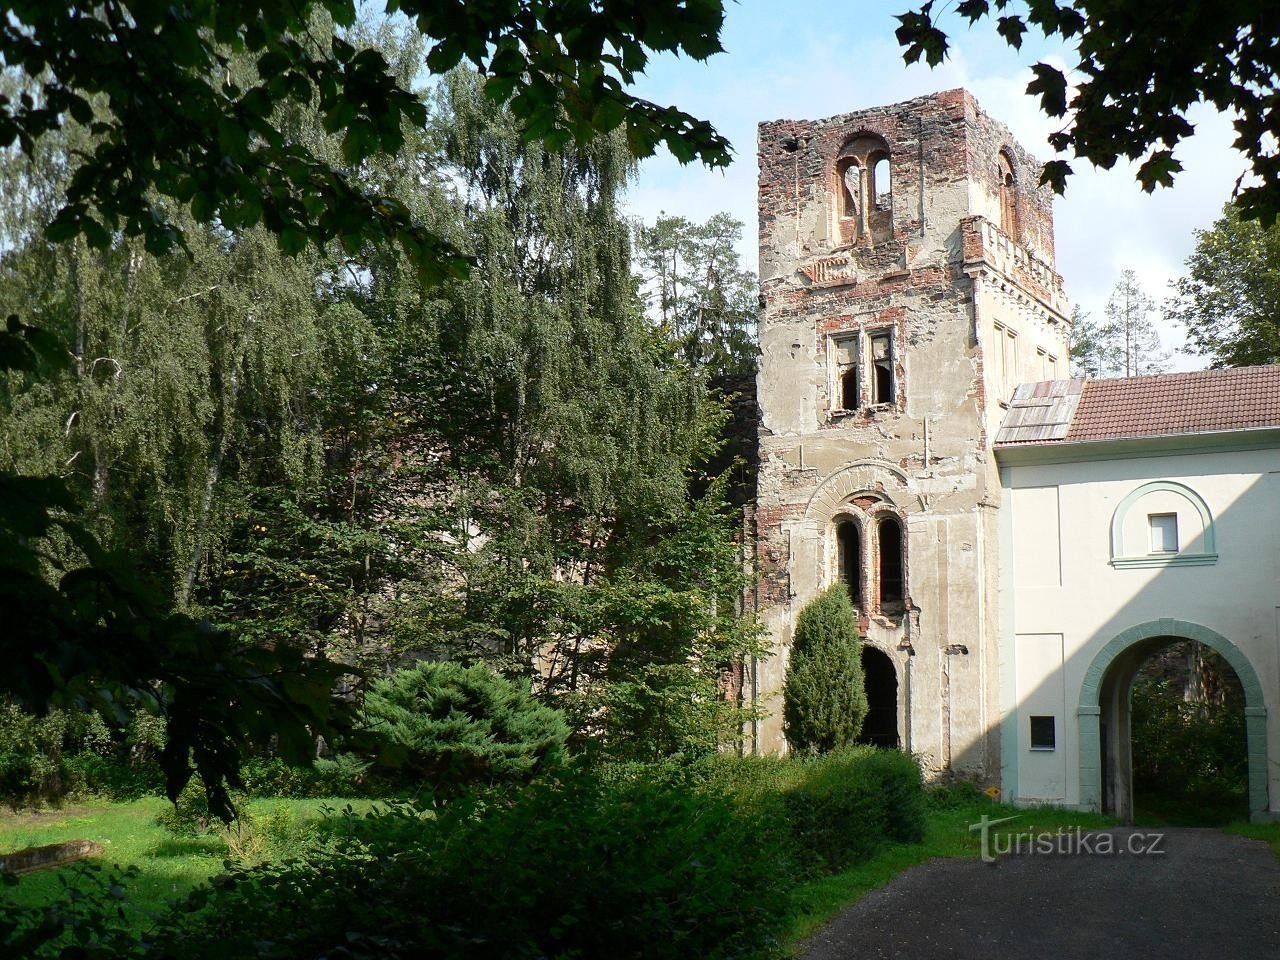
[889, 530]
[849, 543]
[881, 182]
[863, 191]
[850, 176]
[882, 379]
[1008, 195]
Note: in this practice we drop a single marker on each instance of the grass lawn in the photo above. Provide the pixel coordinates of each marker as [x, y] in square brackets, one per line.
[947, 835]
[1268, 833]
[169, 865]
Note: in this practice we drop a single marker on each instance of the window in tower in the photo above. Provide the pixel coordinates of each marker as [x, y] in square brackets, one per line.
[882, 378]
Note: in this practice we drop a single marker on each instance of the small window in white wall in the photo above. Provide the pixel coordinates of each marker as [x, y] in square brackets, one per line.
[1043, 734]
[1164, 532]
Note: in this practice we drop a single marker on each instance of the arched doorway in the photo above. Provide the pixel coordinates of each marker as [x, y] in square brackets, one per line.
[1105, 716]
[880, 728]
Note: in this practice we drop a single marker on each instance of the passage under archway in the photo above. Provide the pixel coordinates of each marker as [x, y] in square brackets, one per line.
[880, 728]
[1174, 742]
[1106, 716]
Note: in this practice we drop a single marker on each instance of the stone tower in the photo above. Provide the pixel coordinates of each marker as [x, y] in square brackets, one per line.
[907, 273]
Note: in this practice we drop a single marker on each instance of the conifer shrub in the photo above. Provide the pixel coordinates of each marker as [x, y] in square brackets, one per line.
[455, 726]
[824, 696]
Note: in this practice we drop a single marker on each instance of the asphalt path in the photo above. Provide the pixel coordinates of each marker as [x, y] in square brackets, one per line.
[1198, 894]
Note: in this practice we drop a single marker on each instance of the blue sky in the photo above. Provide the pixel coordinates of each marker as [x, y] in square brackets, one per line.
[805, 60]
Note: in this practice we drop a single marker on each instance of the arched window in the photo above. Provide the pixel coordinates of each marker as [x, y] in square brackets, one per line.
[864, 190]
[1008, 195]
[889, 530]
[881, 181]
[850, 187]
[849, 542]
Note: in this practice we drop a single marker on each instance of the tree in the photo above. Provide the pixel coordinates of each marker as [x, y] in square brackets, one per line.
[1128, 341]
[694, 283]
[456, 726]
[1136, 79]
[1229, 301]
[178, 128]
[1085, 345]
[824, 695]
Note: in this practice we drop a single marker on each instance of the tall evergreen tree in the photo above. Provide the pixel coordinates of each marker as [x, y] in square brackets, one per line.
[824, 697]
[693, 282]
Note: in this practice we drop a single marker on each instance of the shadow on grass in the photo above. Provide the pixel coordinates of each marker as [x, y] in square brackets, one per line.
[188, 847]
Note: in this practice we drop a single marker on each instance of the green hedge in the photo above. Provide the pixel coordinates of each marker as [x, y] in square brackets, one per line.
[836, 809]
[660, 862]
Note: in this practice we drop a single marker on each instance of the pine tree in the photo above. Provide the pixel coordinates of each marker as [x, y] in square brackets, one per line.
[1131, 344]
[1085, 345]
[825, 697]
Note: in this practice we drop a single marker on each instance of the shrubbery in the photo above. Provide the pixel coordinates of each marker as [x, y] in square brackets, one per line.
[654, 862]
[44, 759]
[824, 696]
[454, 726]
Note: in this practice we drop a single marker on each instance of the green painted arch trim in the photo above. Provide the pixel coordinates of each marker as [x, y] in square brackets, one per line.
[1208, 552]
[1089, 711]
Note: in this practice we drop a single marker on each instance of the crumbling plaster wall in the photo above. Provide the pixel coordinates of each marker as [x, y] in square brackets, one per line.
[928, 453]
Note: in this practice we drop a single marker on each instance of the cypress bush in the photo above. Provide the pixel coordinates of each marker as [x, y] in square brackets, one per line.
[824, 696]
[456, 726]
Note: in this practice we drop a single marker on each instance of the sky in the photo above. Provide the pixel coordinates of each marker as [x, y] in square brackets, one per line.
[807, 60]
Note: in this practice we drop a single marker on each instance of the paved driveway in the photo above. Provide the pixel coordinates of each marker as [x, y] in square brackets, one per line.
[1206, 895]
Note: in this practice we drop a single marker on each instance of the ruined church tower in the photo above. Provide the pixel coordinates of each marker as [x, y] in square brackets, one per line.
[907, 273]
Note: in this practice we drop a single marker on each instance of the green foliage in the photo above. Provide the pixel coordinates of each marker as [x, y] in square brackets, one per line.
[694, 283]
[456, 726]
[1136, 79]
[569, 867]
[188, 107]
[1228, 300]
[824, 696]
[626, 860]
[1188, 757]
[835, 809]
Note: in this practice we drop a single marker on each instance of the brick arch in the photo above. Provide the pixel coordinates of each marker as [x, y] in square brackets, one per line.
[862, 476]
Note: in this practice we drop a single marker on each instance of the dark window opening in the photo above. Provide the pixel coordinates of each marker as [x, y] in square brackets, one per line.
[890, 560]
[849, 542]
[880, 727]
[1043, 734]
[849, 389]
[882, 368]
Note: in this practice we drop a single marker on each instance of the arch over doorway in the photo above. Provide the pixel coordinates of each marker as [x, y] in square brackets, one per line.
[1103, 706]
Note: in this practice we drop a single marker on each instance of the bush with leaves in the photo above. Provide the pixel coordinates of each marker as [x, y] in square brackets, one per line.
[1189, 759]
[824, 696]
[570, 866]
[455, 726]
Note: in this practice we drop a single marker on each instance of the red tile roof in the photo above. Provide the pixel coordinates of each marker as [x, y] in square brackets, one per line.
[1168, 403]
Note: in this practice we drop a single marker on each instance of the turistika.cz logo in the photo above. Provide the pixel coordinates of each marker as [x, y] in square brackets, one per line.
[1065, 841]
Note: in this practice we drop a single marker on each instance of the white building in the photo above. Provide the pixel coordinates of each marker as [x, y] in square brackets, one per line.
[1135, 511]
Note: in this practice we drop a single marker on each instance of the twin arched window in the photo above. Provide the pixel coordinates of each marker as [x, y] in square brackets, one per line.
[871, 559]
[864, 189]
